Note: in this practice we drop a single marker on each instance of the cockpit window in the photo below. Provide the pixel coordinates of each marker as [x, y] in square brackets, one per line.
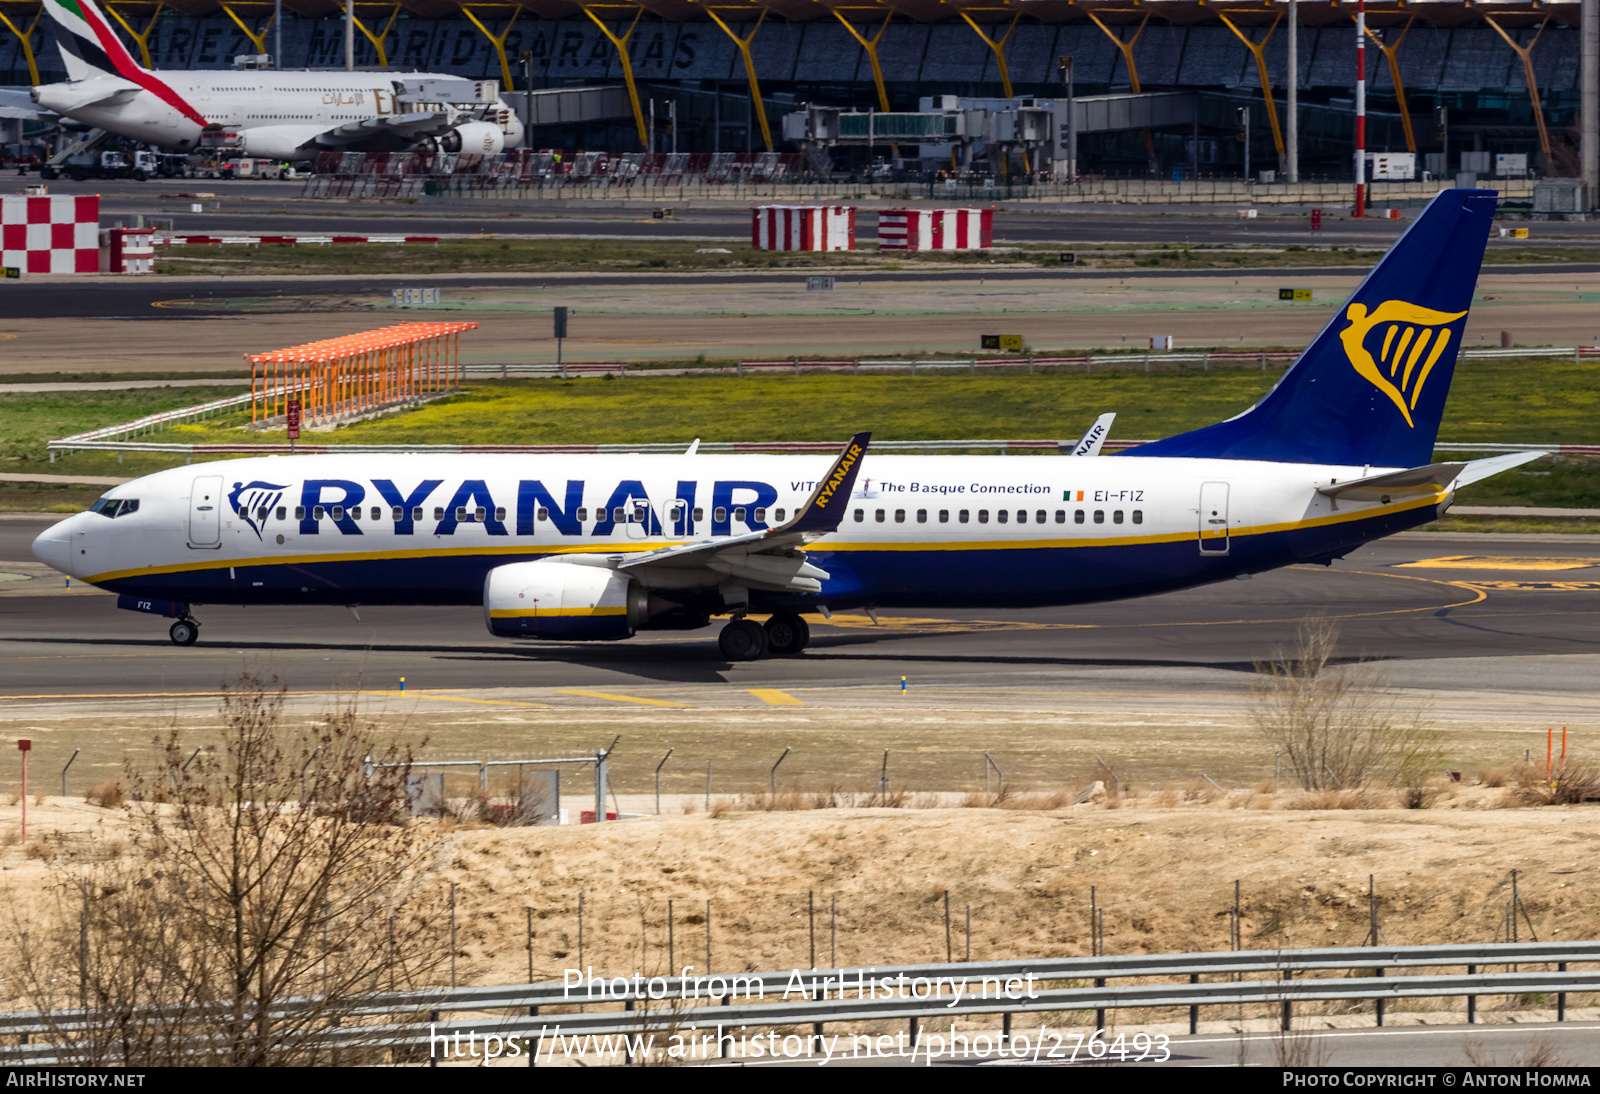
[115, 507]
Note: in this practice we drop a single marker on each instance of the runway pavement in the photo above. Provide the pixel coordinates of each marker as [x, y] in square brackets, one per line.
[1489, 626]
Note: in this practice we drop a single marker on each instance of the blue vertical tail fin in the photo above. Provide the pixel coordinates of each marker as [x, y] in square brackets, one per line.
[1370, 390]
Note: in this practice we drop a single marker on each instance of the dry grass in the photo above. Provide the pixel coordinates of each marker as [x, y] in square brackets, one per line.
[108, 795]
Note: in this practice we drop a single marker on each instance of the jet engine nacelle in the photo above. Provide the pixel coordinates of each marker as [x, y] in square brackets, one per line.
[563, 601]
[476, 137]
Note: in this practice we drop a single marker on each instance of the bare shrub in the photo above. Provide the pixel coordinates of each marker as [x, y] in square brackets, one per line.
[1539, 1052]
[260, 903]
[108, 795]
[1578, 781]
[1339, 726]
[1421, 796]
[1490, 775]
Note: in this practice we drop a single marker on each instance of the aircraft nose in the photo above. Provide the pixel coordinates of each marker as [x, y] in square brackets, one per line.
[53, 547]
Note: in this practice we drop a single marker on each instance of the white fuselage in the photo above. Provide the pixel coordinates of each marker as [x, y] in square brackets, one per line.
[920, 530]
[277, 114]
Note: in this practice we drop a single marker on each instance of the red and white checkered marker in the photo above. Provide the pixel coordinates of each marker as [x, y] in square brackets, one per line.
[57, 234]
[935, 229]
[803, 227]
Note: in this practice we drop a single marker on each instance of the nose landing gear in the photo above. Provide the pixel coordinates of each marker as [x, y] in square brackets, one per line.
[184, 632]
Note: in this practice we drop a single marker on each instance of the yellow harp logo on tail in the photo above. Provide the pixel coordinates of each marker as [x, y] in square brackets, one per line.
[1414, 339]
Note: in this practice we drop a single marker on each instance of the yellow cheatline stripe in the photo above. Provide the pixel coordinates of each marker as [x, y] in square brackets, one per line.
[775, 698]
[820, 547]
[519, 613]
[1498, 562]
[620, 698]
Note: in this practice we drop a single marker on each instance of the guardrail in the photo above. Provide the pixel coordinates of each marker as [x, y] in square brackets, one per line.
[1147, 362]
[1027, 446]
[890, 993]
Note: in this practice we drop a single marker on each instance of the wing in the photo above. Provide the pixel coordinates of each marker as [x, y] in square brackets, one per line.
[771, 558]
[406, 126]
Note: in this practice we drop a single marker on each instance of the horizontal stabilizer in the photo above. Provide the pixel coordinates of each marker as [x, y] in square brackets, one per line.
[1435, 478]
[1478, 470]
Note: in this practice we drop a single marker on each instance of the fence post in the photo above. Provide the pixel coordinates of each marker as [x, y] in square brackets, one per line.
[1472, 1000]
[1194, 1010]
[64, 771]
[1561, 996]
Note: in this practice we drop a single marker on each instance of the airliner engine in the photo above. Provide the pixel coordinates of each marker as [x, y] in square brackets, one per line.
[480, 137]
[562, 600]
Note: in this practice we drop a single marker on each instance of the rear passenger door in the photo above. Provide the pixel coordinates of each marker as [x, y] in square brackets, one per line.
[1214, 518]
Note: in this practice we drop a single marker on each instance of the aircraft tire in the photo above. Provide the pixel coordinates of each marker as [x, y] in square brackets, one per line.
[743, 640]
[787, 634]
[184, 632]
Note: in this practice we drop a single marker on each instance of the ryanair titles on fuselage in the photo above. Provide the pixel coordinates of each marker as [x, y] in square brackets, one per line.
[575, 507]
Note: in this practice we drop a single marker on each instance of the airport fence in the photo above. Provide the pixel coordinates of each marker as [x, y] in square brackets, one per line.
[525, 174]
[923, 994]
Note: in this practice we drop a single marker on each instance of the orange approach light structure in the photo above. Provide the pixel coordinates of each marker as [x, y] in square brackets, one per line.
[341, 377]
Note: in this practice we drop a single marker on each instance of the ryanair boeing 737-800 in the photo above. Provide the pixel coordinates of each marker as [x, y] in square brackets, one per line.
[584, 547]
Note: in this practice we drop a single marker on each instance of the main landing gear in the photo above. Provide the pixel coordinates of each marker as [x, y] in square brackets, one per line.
[784, 635]
[184, 632]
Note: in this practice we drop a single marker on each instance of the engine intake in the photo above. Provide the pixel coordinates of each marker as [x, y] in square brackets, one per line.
[564, 601]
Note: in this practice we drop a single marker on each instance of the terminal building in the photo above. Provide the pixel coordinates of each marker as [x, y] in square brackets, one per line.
[1469, 85]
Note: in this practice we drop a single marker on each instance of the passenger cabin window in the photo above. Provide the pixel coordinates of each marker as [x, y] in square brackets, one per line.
[699, 514]
[922, 516]
[1061, 516]
[338, 512]
[778, 516]
[479, 513]
[583, 515]
[962, 516]
[1099, 516]
[282, 510]
[398, 514]
[416, 514]
[860, 516]
[1039, 517]
[983, 516]
[438, 512]
[899, 516]
[316, 512]
[619, 514]
[878, 516]
[1022, 516]
[1000, 516]
[944, 516]
[1077, 516]
[461, 512]
[299, 512]
[719, 514]
[1116, 517]
[1138, 516]
[738, 513]
[376, 514]
[761, 515]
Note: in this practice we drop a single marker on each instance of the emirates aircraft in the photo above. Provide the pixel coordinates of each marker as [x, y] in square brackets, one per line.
[281, 115]
[573, 548]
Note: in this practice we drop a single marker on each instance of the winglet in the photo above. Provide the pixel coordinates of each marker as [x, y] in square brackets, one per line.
[826, 507]
[1089, 444]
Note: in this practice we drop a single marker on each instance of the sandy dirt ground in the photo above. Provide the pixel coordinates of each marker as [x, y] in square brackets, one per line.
[650, 322]
[1162, 869]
